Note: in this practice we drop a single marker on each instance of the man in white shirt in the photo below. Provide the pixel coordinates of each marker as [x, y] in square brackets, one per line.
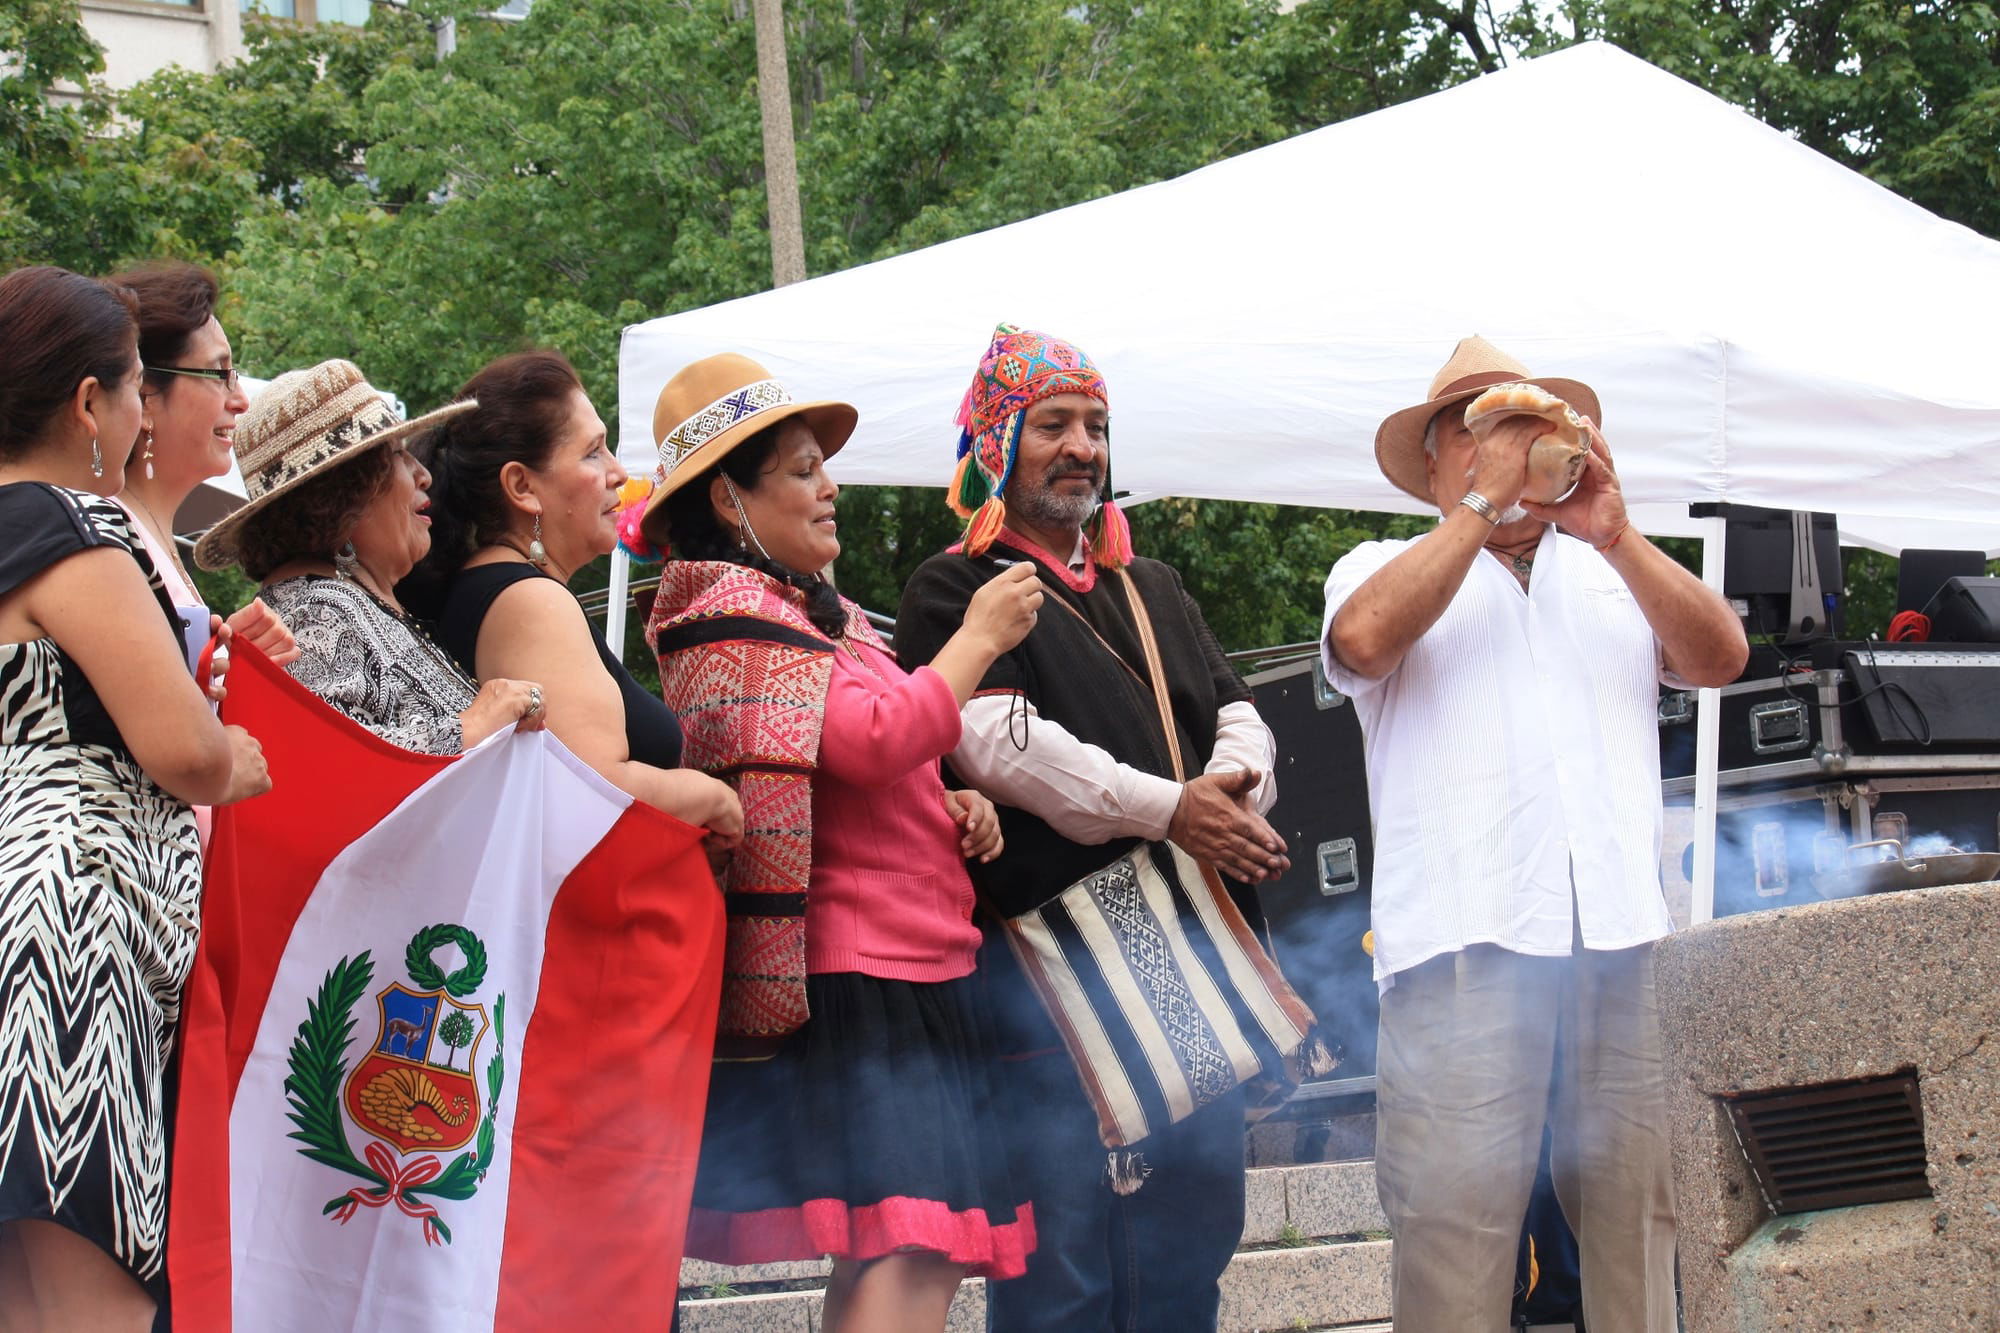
[1504, 668]
[1066, 737]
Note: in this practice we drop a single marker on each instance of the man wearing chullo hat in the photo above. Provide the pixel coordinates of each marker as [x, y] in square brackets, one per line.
[1066, 737]
[1504, 669]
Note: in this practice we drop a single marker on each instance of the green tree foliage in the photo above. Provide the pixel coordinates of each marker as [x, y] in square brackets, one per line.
[455, 1031]
[600, 163]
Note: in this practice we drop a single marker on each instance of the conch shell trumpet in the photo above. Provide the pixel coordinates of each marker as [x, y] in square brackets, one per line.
[1555, 460]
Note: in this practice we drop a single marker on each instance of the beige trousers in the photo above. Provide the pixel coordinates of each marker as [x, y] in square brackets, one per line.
[1478, 1050]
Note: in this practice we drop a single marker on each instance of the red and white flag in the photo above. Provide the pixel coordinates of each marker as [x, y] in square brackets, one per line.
[446, 1042]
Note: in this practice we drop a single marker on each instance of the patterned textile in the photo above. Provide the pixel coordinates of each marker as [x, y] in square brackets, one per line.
[100, 888]
[716, 418]
[1021, 367]
[371, 666]
[1162, 996]
[747, 673]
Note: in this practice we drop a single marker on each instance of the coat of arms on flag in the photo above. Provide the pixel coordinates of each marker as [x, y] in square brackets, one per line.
[414, 974]
[407, 1091]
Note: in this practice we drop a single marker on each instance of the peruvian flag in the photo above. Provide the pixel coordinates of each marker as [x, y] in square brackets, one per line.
[446, 1042]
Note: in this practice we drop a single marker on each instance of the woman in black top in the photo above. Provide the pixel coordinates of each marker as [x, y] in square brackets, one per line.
[524, 493]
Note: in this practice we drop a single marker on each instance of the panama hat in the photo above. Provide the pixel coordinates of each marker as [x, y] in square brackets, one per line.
[1475, 364]
[304, 423]
[715, 404]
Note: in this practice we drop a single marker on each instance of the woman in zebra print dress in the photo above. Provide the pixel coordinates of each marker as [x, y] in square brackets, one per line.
[105, 739]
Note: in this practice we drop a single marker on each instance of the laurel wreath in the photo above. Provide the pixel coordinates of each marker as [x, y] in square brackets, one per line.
[318, 1061]
[429, 976]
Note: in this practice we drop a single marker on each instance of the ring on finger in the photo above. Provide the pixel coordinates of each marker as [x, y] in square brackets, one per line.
[534, 701]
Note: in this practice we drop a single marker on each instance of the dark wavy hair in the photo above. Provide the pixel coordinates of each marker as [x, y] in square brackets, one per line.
[175, 301]
[313, 520]
[57, 329]
[524, 403]
[697, 534]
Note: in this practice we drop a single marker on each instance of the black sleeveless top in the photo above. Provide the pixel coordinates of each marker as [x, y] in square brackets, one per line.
[45, 524]
[652, 732]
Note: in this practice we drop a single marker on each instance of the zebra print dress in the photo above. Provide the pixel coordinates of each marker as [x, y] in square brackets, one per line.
[100, 891]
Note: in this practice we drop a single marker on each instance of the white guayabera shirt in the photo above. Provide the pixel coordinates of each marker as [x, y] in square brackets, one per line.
[1515, 746]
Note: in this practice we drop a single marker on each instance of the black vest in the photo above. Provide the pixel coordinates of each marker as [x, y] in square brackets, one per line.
[1094, 684]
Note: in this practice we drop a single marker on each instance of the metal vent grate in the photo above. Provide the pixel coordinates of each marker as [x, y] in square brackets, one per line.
[1836, 1144]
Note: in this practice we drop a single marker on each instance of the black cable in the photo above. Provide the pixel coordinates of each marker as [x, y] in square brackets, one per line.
[1889, 689]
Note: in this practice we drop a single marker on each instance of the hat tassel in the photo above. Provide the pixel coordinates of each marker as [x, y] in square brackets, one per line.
[968, 489]
[985, 526]
[1112, 544]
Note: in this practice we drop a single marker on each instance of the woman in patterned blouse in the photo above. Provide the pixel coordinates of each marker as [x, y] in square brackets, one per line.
[336, 518]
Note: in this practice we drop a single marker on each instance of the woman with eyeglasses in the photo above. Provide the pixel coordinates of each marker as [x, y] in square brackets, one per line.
[189, 398]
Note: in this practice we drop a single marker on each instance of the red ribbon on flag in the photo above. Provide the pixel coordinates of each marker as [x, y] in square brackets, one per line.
[394, 1189]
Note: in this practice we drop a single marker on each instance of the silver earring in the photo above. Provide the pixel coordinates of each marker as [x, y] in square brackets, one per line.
[345, 560]
[149, 453]
[96, 458]
[538, 554]
[746, 535]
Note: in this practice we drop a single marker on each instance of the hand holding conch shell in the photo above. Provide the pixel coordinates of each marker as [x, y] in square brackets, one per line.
[1556, 459]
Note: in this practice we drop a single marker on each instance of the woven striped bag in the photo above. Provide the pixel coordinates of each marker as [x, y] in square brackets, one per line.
[1162, 994]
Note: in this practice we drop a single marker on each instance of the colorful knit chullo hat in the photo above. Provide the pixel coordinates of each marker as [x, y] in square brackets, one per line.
[1020, 368]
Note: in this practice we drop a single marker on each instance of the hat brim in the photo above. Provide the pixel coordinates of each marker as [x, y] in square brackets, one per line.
[1399, 441]
[217, 547]
[832, 423]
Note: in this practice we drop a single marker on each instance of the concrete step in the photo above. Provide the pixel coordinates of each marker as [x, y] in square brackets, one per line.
[1316, 1255]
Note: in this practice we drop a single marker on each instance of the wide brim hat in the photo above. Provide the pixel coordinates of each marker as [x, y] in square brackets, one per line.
[305, 423]
[1475, 365]
[711, 406]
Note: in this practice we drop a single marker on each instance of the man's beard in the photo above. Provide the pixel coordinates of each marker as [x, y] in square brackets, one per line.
[1044, 507]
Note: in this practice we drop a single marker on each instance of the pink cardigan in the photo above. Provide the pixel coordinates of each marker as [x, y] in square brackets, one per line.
[890, 896]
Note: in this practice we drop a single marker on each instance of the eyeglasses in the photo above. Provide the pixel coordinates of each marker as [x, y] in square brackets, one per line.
[226, 375]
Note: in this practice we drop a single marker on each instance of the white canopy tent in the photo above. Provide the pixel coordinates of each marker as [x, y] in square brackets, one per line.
[1763, 325]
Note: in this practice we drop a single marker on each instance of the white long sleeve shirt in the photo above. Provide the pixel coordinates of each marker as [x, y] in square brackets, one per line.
[1078, 789]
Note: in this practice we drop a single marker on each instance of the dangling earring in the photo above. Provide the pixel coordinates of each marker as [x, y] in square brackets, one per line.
[538, 554]
[345, 560]
[96, 458]
[745, 534]
[149, 453]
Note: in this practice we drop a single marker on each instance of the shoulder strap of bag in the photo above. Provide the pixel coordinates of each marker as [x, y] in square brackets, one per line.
[1153, 669]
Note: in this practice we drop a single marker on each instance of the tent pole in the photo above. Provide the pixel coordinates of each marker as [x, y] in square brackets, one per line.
[614, 609]
[1707, 735]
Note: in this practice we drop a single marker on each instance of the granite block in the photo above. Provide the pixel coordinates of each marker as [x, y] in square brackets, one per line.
[1306, 1286]
[1821, 993]
[1883, 1266]
[1264, 1213]
[701, 1273]
[1333, 1199]
[781, 1312]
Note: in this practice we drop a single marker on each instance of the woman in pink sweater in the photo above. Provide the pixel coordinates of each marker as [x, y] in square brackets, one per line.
[855, 1119]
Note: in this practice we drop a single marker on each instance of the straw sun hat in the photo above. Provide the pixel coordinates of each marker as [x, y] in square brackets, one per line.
[715, 404]
[1475, 364]
[304, 423]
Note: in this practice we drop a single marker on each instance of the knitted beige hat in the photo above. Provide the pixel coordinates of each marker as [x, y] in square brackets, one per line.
[302, 424]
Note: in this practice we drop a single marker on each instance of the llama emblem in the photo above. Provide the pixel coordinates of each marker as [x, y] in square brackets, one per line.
[415, 1087]
[414, 1092]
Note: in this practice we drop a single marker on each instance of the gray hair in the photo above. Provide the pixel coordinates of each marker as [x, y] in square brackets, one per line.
[1431, 436]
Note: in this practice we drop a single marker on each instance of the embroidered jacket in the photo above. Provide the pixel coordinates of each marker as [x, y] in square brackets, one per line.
[747, 673]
